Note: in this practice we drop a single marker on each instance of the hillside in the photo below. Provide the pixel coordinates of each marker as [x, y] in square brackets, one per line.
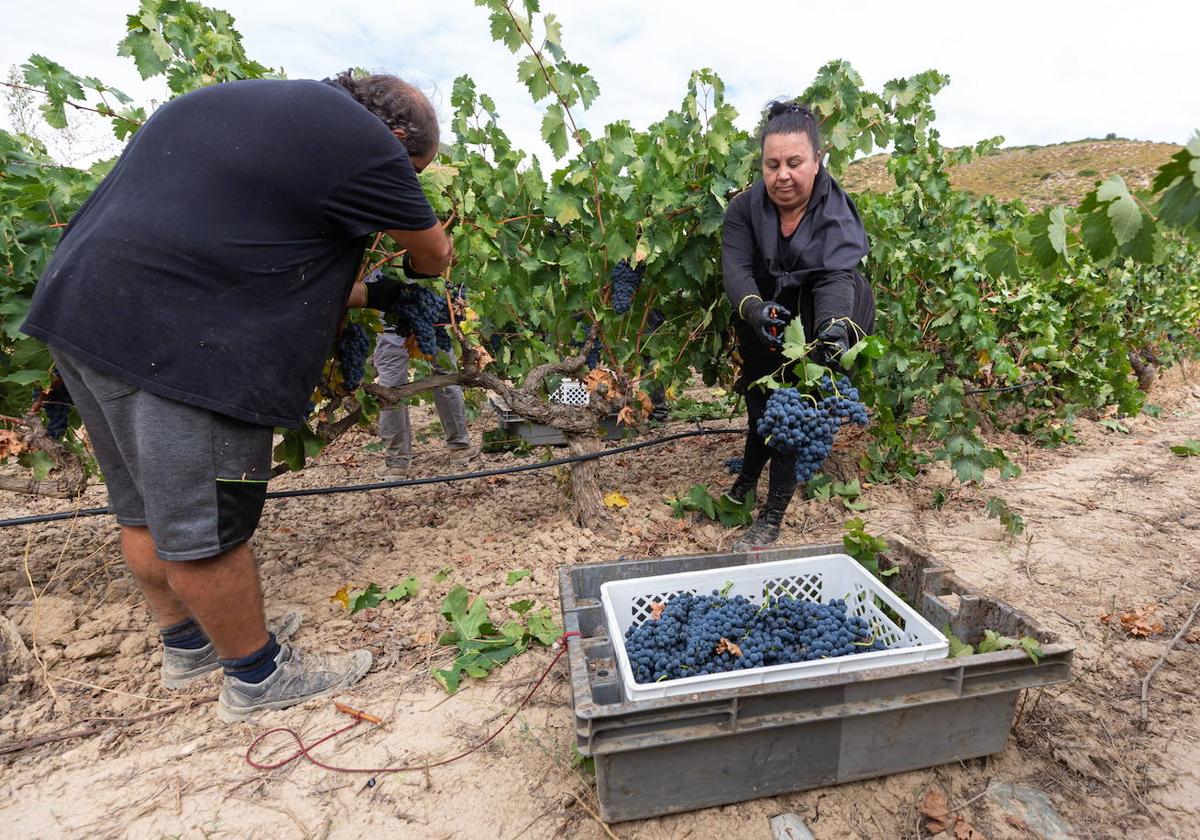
[1038, 175]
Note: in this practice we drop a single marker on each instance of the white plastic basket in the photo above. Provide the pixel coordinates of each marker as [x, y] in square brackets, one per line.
[824, 578]
[571, 392]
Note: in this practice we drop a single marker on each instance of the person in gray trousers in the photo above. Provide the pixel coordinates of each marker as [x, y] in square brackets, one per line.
[395, 429]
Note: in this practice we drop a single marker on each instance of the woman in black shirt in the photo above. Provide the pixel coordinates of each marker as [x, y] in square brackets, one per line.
[791, 247]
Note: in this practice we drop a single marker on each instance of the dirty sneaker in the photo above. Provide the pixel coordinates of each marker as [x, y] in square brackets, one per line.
[298, 677]
[395, 471]
[182, 667]
[461, 456]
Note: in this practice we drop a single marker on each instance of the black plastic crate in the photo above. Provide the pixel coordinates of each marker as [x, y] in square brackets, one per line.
[673, 754]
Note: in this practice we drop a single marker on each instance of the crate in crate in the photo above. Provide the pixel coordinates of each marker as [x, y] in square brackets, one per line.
[664, 755]
[516, 427]
[825, 578]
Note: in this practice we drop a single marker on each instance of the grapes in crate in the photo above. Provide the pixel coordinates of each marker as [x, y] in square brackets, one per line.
[691, 635]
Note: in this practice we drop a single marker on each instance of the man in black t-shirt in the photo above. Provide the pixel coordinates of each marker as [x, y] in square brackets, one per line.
[190, 307]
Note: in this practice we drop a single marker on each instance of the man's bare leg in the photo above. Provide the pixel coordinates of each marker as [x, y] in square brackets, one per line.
[150, 571]
[224, 596]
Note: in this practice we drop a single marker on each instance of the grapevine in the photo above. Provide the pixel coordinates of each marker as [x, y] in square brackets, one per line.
[712, 634]
[1064, 297]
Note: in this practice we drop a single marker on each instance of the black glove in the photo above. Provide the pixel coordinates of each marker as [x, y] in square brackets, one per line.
[412, 273]
[382, 292]
[767, 319]
[832, 341]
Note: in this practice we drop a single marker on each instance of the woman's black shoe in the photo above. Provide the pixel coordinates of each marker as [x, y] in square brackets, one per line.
[764, 531]
[740, 489]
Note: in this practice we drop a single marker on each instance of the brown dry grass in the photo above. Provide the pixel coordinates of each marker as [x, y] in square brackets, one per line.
[1038, 175]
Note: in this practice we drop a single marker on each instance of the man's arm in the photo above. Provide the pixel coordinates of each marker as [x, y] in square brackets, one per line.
[429, 250]
[427, 254]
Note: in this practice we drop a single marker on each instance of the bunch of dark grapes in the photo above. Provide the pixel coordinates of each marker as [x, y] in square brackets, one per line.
[56, 405]
[805, 425]
[712, 634]
[421, 313]
[733, 466]
[353, 346]
[625, 282]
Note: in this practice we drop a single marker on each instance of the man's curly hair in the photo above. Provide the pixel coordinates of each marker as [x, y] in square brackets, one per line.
[399, 105]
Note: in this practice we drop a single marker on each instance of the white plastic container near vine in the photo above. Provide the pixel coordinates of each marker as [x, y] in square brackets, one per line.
[628, 603]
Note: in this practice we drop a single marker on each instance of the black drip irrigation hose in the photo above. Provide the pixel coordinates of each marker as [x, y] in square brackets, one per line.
[412, 482]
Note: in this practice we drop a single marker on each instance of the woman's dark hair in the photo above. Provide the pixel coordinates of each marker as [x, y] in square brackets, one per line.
[398, 104]
[786, 117]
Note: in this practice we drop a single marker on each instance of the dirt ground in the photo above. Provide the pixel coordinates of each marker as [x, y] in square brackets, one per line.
[1113, 524]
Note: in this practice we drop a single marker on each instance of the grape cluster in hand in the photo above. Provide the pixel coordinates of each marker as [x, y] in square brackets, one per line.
[805, 425]
[712, 634]
[353, 346]
[421, 313]
[625, 282]
[56, 405]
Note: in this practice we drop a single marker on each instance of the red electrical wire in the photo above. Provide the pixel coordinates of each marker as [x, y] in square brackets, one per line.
[305, 749]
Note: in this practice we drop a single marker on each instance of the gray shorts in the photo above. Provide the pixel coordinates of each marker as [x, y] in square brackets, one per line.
[195, 478]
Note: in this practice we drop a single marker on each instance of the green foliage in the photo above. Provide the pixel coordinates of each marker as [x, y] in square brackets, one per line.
[822, 487]
[720, 508]
[973, 294]
[1187, 449]
[1012, 521]
[373, 595]
[480, 645]
[865, 547]
[993, 641]
[518, 574]
[192, 45]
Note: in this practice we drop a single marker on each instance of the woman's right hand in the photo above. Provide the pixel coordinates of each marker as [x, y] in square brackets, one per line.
[767, 319]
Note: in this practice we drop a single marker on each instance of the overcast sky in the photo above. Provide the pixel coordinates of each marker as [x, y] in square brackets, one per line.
[1033, 72]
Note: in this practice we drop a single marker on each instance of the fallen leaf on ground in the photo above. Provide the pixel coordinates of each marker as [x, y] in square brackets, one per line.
[935, 809]
[1139, 622]
[615, 499]
[963, 830]
[342, 596]
[1017, 822]
[1193, 637]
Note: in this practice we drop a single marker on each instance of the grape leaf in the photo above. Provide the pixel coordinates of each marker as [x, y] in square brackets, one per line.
[1187, 448]
[543, 628]
[342, 596]
[615, 499]
[957, 646]
[365, 599]
[521, 607]
[554, 130]
[405, 589]
[468, 618]
[1123, 210]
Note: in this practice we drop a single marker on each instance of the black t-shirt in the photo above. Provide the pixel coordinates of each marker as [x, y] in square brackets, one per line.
[213, 264]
